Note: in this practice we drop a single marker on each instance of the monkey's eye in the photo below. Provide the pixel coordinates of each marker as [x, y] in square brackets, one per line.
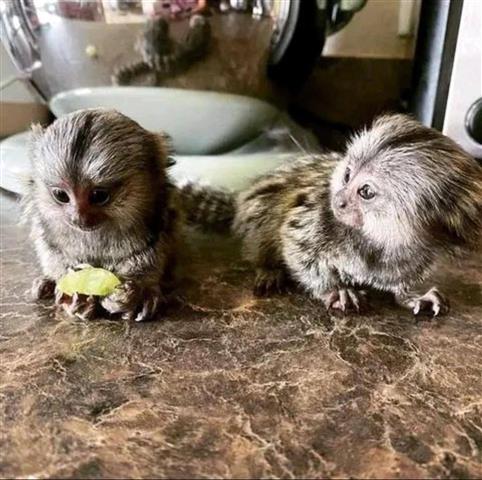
[346, 176]
[366, 192]
[61, 196]
[99, 196]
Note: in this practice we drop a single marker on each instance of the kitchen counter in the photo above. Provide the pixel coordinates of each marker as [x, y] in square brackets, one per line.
[227, 385]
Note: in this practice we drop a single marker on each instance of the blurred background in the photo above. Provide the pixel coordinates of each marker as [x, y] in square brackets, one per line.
[219, 75]
[374, 49]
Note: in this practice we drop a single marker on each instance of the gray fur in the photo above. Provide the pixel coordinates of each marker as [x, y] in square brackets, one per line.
[137, 236]
[155, 43]
[428, 203]
[213, 209]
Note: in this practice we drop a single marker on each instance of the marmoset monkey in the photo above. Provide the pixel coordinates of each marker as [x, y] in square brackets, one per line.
[99, 195]
[380, 215]
[163, 56]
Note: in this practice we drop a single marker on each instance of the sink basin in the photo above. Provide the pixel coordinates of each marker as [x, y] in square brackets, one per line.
[221, 140]
[231, 171]
[199, 122]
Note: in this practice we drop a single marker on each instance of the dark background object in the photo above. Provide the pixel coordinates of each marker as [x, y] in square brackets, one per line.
[446, 72]
[300, 43]
[298, 48]
[434, 55]
[473, 121]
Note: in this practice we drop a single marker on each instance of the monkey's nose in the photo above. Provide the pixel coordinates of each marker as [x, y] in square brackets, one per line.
[341, 203]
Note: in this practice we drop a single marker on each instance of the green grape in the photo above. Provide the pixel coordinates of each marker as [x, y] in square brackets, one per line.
[89, 281]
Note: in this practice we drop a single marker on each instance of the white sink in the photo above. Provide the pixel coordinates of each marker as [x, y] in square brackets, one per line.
[232, 171]
[199, 122]
[220, 140]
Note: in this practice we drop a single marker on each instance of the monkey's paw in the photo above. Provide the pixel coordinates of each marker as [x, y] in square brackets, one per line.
[43, 288]
[81, 306]
[133, 301]
[432, 302]
[345, 299]
[269, 281]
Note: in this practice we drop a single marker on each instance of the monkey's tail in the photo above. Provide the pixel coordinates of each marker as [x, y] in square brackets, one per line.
[126, 74]
[211, 210]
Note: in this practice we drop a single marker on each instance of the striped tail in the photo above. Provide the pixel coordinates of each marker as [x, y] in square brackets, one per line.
[212, 210]
[127, 73]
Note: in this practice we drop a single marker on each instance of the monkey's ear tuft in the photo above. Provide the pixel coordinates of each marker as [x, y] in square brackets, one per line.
[36, 131]
[166, 149]
[26, 181]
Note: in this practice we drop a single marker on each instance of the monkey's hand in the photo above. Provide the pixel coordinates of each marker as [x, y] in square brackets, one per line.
[134, 300]
[431, 302]
[77, 305]
[43, 288]
[81, 306]
[269, 281]
[344, 299]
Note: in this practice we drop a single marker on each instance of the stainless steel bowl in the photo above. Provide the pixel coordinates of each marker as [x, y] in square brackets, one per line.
[253, 46]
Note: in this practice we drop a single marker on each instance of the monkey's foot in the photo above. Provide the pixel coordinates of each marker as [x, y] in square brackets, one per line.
[81, 306]
[432, 302]
[133, 301]
[269, 281]
[43, 288]
[344, 299]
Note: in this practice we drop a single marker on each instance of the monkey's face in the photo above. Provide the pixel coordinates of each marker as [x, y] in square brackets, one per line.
[85, 204]
[401, 182]
[81, 206]
[96, 171]
[354, 195]
[374, 193]
[90, 203]
[365, 199]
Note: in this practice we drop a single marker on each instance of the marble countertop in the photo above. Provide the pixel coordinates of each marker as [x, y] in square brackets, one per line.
[228, 385]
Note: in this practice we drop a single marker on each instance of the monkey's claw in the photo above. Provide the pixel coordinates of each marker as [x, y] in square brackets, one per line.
[123, 300]
[345, 299]
[81, 306]
[133, 302]
[433, 301]
[268, 282]
[148, 309]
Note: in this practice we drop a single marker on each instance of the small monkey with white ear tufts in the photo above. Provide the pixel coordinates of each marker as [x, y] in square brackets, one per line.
[380, 215]
[99, 195]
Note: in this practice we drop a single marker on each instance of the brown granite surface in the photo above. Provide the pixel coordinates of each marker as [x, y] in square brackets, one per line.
[226, 385]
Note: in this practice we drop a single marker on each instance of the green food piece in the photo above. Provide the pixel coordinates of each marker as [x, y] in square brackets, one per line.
[89, 281]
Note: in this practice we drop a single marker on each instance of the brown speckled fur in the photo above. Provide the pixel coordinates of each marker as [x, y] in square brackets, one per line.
[428, 203]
